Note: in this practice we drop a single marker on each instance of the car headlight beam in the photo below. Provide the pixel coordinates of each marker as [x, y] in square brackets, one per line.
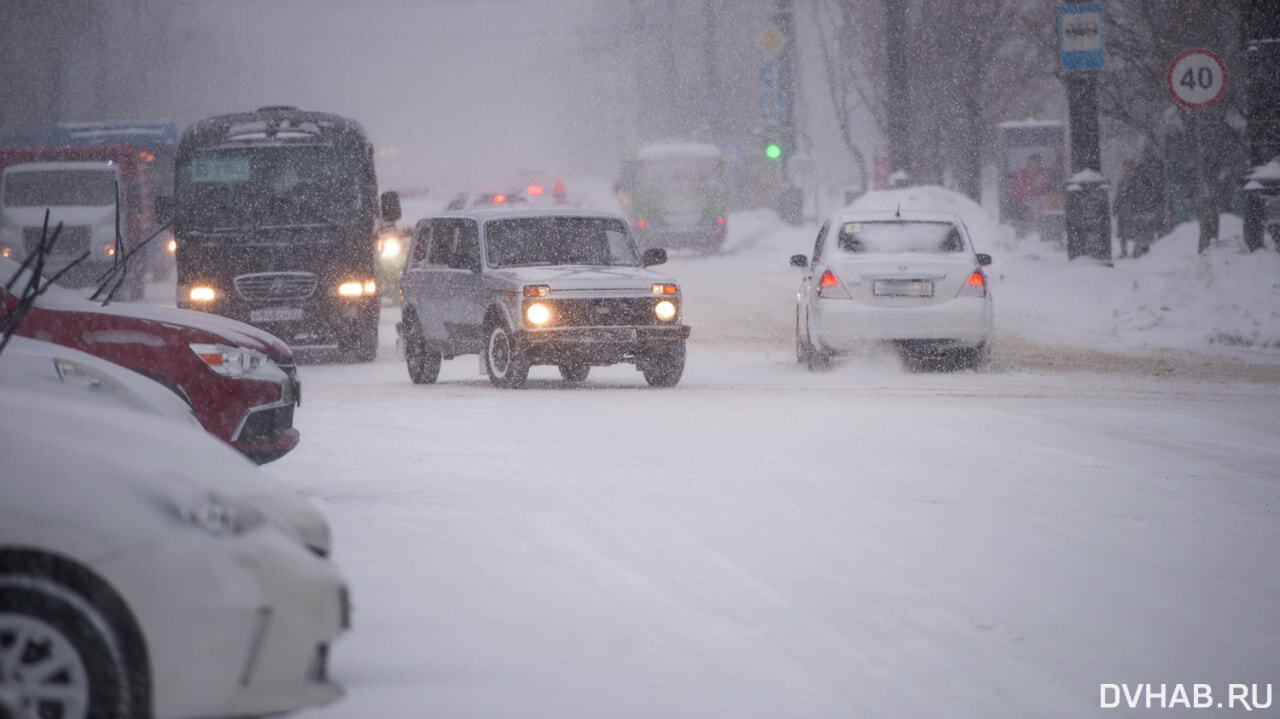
[538, 313]
[356, 288]
[390, 247]
[203, 293]
[665, 310]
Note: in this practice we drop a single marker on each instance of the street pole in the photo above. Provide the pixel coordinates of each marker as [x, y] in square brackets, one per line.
[1261, 40]
[898, 102]
[711, 70]
[790, 197]
[1088, 210]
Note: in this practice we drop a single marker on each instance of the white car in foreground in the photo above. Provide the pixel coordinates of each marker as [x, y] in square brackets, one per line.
[148, 570]
[72, 374]
[909, 277]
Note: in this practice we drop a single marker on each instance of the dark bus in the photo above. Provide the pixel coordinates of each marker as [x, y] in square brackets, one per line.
[275, 215]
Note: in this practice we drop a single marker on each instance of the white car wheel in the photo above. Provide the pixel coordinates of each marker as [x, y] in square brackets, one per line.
[57, 657]
[575, 372]
[664, 368]
[422, 361]
[504, 359]
[814, 359]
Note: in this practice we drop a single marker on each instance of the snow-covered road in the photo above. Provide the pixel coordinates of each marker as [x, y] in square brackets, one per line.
[762, 541]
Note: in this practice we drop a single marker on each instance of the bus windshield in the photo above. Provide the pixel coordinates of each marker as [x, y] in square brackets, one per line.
[272, 186]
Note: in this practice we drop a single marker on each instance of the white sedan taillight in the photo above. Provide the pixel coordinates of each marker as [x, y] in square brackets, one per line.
[829, 287]
[975, 286]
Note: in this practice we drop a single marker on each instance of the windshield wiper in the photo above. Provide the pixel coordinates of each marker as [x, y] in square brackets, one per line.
[34, 265]
[121, 266]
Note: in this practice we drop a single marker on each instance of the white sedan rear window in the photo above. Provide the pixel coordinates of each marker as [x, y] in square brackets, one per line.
[900, 236]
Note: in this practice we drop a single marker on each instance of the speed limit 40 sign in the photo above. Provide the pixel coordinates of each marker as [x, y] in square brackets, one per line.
[1197, 78]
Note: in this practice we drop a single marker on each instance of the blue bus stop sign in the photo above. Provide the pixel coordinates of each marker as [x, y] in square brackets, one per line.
[1080, 36]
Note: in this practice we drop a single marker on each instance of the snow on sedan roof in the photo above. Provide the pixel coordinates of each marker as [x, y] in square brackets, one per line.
[982, 227]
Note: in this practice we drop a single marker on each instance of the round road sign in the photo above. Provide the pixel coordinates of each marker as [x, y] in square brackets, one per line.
[1197, 78]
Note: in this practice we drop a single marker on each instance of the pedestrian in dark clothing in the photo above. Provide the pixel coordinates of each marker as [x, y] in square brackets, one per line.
[1138, 204]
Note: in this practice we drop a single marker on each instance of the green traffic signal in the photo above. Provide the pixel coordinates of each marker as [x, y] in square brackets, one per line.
[773, 151]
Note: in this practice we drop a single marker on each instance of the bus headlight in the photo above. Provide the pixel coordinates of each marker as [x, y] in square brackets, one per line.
[537, 313]
[665, 310]
[358, 289]
[203, 293]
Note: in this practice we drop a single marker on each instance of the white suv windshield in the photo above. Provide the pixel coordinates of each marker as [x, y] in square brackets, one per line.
[525, 241]
[900, 236]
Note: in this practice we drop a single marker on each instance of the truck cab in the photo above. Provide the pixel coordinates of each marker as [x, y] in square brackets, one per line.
[75, 205]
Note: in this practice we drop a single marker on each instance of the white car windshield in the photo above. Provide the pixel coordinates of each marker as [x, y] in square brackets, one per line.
[900, 236]
[525, 241]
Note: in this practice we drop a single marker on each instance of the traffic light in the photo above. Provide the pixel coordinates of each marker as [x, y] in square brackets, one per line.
[773, 150]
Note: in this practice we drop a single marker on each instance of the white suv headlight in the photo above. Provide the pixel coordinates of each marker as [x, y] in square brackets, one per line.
[230, 361]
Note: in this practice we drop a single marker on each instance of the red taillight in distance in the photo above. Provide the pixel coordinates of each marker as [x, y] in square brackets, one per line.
[975, 286]
[720, 221]
[829, 287]
[641, 224]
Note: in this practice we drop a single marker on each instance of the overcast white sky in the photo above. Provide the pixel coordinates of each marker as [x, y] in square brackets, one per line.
[448, 90]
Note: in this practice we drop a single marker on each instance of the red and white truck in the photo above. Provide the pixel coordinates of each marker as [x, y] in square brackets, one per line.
[101, 196]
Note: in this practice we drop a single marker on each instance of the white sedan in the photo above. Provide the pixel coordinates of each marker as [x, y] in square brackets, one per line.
[909, 277]
[147, 569]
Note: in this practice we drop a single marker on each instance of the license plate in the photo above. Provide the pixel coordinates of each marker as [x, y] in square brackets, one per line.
[611, 335]
[275, 314]
[902, 288]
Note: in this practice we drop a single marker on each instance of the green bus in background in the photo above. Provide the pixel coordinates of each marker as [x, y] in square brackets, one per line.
[676, 195]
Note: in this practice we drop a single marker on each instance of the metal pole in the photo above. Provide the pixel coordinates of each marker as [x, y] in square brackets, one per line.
[1261, 40]
[898, 103]
[1088, 210]
[790, 197]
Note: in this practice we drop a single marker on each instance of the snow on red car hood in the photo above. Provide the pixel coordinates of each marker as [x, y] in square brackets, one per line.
[215, 328]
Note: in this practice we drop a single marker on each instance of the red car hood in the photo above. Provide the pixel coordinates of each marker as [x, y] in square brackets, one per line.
[191, 325]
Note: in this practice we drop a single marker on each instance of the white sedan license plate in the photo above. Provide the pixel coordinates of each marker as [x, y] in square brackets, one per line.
[275, 314]
[902, 288]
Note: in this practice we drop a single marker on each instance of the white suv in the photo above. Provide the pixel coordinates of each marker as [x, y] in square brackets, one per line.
[537, 286]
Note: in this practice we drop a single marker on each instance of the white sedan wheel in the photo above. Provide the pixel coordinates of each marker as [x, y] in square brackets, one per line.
[41, 670]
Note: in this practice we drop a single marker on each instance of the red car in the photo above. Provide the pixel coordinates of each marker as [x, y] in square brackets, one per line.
[240, 381]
